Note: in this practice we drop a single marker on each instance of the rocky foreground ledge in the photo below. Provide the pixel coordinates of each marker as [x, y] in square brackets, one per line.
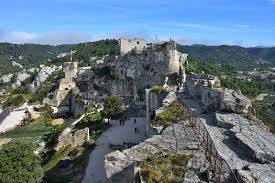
[177, 139]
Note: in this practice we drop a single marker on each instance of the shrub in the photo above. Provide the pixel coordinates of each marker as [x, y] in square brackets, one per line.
[157, 89]
[18, 164]
[19, 91]
[113, 107]
[173, 113]
[164, 169]
[14, 101]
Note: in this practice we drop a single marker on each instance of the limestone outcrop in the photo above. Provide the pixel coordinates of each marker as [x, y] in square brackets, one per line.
[151, 66]
[75, 139]
[208, 89]
[256, 142]
[6, 78]
[43, 74]
[21, 76]
[15, 64]
[177, 139]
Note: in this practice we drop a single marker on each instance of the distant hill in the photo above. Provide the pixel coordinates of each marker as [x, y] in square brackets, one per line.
[243, 58]
[28, 54]
[31, 55]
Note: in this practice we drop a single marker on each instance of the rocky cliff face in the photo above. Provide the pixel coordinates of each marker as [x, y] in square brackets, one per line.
[150, 66]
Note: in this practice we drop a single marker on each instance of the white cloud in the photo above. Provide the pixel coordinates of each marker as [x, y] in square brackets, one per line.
[196, 26]
[16, 37]
[53, 38]
[190, 41]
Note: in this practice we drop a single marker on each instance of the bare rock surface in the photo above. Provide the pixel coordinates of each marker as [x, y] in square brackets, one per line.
[15, 64]
[67, 138]
[177, 139]
[6, 78]
[247, 148]
[43, 74]
[259, 143]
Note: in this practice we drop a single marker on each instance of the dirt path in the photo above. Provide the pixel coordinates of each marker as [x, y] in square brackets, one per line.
[116, 134]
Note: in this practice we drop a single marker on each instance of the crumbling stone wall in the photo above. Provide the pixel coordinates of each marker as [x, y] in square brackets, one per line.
[208, 89]
[66, 98]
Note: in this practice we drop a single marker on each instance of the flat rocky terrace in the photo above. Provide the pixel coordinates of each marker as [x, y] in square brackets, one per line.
[177, 139]
[247, 148]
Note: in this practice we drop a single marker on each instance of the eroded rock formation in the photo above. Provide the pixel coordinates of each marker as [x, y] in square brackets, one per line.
[75, 139]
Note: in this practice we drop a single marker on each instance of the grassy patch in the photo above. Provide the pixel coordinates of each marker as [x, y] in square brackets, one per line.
[95, 124]
[164, 169]
[14, 101]
[157, 89]
[58, 156]
[38, 129]
[171, 115]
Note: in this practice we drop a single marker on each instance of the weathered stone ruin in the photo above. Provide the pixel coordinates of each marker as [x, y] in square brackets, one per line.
[208, 89]
[177, 139]
[127, 45]
[151, 66]
[226, 141]
[66, 99]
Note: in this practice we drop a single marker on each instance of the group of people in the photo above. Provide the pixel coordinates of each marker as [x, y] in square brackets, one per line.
[124, 119]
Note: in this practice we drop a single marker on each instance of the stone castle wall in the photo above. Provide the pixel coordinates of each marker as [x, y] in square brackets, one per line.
[127, 45]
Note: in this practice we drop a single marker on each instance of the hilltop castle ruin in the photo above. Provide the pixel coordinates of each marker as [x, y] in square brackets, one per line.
[220, 131]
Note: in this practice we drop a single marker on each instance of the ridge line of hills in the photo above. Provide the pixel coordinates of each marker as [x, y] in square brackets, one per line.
[35, 54]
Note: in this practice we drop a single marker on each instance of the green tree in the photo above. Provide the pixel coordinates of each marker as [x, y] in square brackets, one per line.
[19, 164]
[14, 101]
[113, 107]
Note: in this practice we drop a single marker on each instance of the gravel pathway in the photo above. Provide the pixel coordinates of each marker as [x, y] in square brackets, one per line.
[116, 134]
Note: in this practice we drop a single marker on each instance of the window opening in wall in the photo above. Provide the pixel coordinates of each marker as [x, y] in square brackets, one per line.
[137, 42]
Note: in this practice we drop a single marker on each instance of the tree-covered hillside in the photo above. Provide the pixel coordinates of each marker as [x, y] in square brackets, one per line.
[28, 54]
[35, 54]
[242, 58]
[31, 55]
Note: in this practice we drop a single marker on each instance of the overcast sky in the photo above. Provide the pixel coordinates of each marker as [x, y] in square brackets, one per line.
[212, 22]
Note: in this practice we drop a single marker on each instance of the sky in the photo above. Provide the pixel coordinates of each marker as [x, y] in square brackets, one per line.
[212, 22]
